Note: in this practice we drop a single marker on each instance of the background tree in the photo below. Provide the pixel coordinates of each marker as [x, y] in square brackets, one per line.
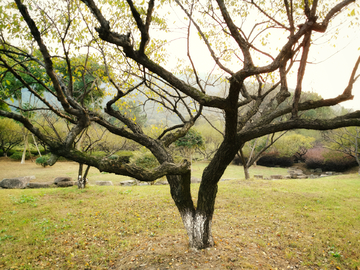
[294, 145]
[256, 148]
[10, 135]
[344, 140]
[236, 36]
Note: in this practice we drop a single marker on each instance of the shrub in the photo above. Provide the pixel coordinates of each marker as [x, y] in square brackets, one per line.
[328, 160]
[122, 153]
[238, 161]
[284, 162]
[11, 152]
[273, 160]
[18, 156]
[145, 160]
[98, 154]
[42, 160]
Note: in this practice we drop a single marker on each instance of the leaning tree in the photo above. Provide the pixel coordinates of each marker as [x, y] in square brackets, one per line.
[250, 43]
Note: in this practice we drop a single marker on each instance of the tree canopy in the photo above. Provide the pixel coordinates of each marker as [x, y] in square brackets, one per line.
[252, 46]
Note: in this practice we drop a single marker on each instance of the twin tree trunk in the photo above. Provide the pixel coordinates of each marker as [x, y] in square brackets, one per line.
[198, 220]
[82, 179]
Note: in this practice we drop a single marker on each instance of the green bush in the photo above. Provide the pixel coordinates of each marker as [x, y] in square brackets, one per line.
[145, 160]
[18, 156]
[10, 152]
[122, 153]
[98, 154]
[42, 160]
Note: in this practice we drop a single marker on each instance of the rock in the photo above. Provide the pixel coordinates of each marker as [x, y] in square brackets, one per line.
[161, 183]
[38, 185]
[62, 179]
[66, 184]
[144, 183]
[104, 183]
[18, 182]
[128, 183]
[276, 176]
[195, 180]
[258, 176]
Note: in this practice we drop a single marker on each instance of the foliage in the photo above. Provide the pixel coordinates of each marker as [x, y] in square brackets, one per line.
[191, 140]
[42, 160]
[273, 160]
[144, 160]
[10, 135]
[294, 145]
[328, 160]
[18, 155]
[130, 109]
[345, 140]
[211, 136]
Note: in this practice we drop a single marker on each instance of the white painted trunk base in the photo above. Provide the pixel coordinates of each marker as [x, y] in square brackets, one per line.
[198, 228]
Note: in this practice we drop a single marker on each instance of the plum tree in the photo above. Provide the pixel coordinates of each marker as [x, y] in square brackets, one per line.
[257, 43]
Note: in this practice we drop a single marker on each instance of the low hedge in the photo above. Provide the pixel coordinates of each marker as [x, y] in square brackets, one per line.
[275, 161]
[18, 155]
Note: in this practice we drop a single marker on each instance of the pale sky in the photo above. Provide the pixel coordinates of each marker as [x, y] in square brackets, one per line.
[333, 59]
[330, 77]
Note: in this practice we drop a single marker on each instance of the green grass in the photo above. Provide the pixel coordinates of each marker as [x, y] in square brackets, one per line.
[237, 172]
[258, 224]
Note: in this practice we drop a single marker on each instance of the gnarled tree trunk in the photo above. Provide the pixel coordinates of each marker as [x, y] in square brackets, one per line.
[198, 221]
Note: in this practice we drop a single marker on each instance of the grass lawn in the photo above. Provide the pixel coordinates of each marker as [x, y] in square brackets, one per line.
[258, 224]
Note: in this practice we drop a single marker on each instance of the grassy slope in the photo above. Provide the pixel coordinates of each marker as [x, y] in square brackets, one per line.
[258, 224]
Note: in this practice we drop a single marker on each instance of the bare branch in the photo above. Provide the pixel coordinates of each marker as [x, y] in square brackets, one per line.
[216, 59]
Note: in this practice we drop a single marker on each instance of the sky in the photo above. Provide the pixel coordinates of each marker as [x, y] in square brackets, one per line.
[332, 59]
[331, 73]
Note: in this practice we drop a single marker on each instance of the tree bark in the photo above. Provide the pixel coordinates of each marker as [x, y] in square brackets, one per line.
[37, 148]
[23, 157]
[85, 175]
[82, 179]
[246, 172]
[198, 222]
[246, 163]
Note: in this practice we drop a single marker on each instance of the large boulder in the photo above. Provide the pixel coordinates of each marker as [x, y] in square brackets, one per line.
[144, 183]
[62, 179]
[38, 185]
[128, 183]
[277, 176]
[161, 182]
[104, 183]
[66, 184]
[18, 182]
[195, 180]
